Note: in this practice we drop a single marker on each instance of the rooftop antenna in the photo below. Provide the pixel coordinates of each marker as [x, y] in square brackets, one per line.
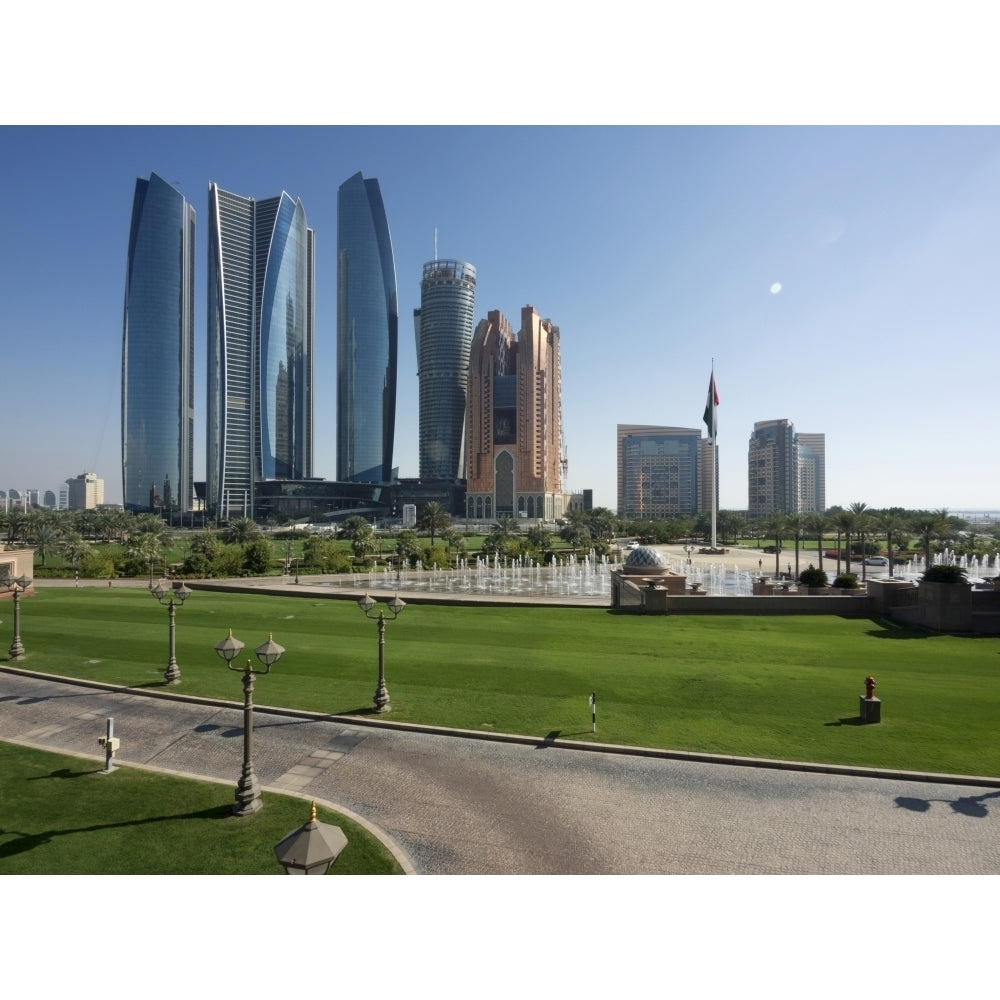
[435, 242]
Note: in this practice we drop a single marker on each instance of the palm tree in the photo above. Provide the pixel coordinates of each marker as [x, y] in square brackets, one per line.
[241, 530]
[728, 524]
[927, 524]
[17, 524]
[151, 524]
[361, 534]
[775, 528]
[45, 536]
[861, 525]
[145, 548]
[602, 523]
[74, 549]
[453, 539]
[891, 524]
[407, 546]
[111, 524]
[433, 518]
[845, 523]
[505, 527]
[794, 523]
[575, 533]
[816, 524]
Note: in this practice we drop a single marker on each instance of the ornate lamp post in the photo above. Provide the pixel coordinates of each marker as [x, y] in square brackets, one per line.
[16, 586]
[171, 598]
[311, 849]
[248, 798]
[395, 606]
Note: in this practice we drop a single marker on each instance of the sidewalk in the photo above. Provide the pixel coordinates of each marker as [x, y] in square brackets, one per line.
[470, 804]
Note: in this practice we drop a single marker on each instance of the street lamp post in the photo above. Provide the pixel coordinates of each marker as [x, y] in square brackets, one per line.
[171, 598]
[248, 798]
[16, 586]
[395, 607]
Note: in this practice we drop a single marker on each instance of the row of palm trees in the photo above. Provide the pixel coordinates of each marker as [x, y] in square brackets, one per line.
[70, 533]
[861, 523]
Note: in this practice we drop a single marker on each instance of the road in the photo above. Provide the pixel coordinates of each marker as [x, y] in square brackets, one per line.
[457, 805]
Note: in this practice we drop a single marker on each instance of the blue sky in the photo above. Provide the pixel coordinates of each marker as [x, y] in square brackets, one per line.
[841, 277]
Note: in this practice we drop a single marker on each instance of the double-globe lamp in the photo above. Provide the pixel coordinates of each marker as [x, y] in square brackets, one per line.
[248, 798]
[395, 607]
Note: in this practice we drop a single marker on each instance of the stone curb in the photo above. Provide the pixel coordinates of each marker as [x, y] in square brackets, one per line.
[847, 770]
[384, 838]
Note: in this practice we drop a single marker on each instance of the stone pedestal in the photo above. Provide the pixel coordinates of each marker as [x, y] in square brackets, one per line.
[870, 709]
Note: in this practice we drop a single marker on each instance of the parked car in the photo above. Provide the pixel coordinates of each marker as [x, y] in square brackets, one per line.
[876, 561]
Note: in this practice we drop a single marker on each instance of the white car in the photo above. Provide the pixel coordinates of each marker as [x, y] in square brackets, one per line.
[876, 561]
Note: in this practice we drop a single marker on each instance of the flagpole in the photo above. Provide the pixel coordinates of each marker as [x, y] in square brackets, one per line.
[712, 408]
[715, 492]
[715, 462]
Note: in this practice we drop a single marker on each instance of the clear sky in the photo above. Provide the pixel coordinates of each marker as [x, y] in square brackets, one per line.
[842, 277]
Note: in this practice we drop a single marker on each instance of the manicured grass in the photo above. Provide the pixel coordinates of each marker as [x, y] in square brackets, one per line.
[62, 816]
[778, 687]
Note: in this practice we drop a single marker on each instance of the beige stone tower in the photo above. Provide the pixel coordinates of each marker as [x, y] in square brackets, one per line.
[514, 448]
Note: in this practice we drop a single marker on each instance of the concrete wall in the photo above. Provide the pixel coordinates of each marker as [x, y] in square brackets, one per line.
[786, 604]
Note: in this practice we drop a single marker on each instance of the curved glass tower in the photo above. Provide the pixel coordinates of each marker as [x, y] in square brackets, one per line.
[367, 334]
[443, 327]
[158, 352]
[261, 309]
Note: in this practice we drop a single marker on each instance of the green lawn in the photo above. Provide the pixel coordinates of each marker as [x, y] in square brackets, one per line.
[778, 687]
[62, 816]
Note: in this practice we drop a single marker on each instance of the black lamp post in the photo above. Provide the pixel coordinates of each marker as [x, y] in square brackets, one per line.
[171, 598]
[248, 798]
[16, 586]
[395, 607]
[311, 849]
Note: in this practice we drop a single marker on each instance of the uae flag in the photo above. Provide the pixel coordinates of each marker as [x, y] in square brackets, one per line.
[711, 421]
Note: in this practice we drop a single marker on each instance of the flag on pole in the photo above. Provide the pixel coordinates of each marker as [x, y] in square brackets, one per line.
[710, 419]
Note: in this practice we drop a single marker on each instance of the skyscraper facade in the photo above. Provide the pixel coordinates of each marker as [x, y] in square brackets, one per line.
[812, 472]
[443, 328]
[659, 471]
[157, 402]
[367, 334]
[514, 425]
[772, 469]
[86, 491]
[261, 316]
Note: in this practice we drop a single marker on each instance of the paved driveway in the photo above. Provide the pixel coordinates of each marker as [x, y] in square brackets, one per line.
[467, 806]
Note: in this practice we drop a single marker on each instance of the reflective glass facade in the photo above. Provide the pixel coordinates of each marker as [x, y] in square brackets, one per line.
[367, 334]
[658, 471]
[261, 309]
[812, 472]
[158, 351]
[772, 471]
[443, 327]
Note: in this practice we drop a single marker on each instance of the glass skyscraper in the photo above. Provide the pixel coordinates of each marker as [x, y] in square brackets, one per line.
[443, 326]
[261, 315]
[772, 471]
[158, 351]
[367, 334]
[658, 471]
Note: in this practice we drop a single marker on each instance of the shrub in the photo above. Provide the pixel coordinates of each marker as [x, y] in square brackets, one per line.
[436, 556]
[813, 577]
[96, 565]
[846, 581]
[257, 557]
[944, 574]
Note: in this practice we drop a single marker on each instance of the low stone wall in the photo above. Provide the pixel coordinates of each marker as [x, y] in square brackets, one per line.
[785, 604]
